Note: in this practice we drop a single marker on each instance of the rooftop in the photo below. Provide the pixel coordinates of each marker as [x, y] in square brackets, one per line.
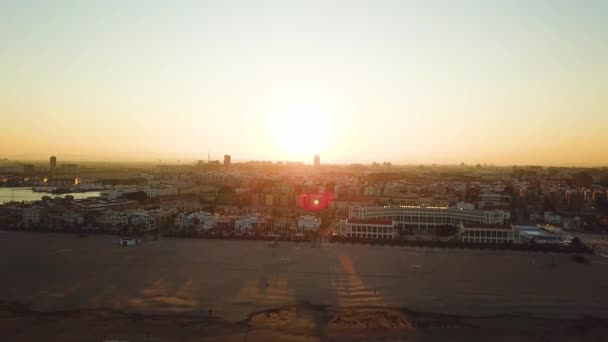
[360, 221]
[488, 226]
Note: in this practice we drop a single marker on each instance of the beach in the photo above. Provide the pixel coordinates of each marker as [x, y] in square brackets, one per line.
[232, 280]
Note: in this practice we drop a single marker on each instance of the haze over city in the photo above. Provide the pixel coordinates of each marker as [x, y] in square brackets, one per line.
[408, 82]
[313, 170]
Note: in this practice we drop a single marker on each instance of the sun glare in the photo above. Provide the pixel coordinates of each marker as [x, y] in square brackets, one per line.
[300, 131]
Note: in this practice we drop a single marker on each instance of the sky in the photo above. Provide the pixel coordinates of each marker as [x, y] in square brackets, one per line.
[502, 82]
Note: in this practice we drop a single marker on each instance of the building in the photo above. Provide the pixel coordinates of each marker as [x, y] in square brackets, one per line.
[368, 229]
[34, 215]
[72, 218]
[493, 200]
[118, 192]
[195, 221]
[552, 218]
[317, 161]
[227, 161]
[315, 201]
[426, 218]
[53, 165]
[309, 223]
[17, 168]
[92, 204]
[545, 235]
[154, 192]
[246, 223]
[144, 220]
[343, 206]
[111, 218]
[489, 233]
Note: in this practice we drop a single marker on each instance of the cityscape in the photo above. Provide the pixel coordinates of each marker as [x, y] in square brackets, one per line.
[544, 207]
[303, 171]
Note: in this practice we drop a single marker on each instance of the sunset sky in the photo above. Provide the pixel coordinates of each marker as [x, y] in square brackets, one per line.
[503, 82]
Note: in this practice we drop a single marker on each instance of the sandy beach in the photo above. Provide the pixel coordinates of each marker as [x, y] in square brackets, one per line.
[238, 282]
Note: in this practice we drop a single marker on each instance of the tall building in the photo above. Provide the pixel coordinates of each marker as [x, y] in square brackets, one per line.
[226, 160]
[317, 161]
[53, 165]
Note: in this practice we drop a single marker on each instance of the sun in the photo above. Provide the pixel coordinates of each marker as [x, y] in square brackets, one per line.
[301, 131]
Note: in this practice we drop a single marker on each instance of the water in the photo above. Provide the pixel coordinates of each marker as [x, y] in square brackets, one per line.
[26, 194]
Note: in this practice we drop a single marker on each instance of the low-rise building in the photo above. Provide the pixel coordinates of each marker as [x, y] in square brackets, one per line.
[552, 218]
[116, 193]
[368, 229]
[34, 215]
[545, 235]
[87, 205]
[309, 223]
[72, 218]
[493, 200]
[487, 233]
[425, 218]
[142, 219]
[246, 223]
[197, 221]
[153, 192]
[111, 218]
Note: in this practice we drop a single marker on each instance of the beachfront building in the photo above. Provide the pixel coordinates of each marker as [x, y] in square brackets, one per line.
[111, 218]
[309, 223]
[196, 221]
[426, 218]
[542, 234]
[368, 229]
[34, 215]
[487, 233]
[552, 218]
[144, 220]
[246, 223]
[72, 218]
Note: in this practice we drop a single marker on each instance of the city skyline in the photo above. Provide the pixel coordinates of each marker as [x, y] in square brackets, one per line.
[409, 83]
[40, 159]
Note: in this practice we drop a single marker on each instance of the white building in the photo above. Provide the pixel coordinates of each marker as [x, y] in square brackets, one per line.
[425, 218]
[246, 223]
[197, 221]
[309, 223]
[491, 233]
[368, 229]
[143, 219]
